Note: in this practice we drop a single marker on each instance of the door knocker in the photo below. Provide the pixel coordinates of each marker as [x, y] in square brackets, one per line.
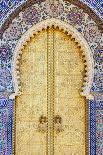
[42, 126]
[58, 124]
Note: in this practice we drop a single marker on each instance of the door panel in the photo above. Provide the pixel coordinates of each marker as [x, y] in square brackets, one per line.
[50, 113]
[69, 105]
[33, 102]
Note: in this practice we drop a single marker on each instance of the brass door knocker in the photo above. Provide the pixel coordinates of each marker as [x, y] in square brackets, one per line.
[42, 126]
[58, 124]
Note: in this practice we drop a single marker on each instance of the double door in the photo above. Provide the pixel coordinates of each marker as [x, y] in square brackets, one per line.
[50, 113]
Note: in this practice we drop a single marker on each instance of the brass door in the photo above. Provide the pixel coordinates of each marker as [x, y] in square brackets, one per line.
[50, 113]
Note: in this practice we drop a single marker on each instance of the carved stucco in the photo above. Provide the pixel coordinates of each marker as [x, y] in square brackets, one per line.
[71, 31]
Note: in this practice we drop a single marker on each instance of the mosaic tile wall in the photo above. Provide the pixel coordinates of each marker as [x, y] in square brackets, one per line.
[6, 123]
[99, 133]
[21, 23]
[96, 5]
[7, 6]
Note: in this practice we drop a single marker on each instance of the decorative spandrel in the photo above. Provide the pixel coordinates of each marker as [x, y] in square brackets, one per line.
[50, 112]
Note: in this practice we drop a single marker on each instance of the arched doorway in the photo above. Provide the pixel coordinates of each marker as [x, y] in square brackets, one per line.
[50, 112]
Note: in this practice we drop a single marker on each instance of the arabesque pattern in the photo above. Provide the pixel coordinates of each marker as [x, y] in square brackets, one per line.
[23, 21]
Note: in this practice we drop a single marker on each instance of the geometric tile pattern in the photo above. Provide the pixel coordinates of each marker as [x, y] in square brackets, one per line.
[99, 131]
[6, 124]
[8, 6]
[92, 128]
[96, 5]
[95, 41]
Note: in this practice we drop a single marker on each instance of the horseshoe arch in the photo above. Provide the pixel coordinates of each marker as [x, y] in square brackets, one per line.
[71, 31]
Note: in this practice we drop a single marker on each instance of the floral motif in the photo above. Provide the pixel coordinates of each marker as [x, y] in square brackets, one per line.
[5, 53]
[91, 33]
[5, 78]
[98, 55]
[14, 31]
[55, 9]
[75, 16]
[98, 80]
[31, 15]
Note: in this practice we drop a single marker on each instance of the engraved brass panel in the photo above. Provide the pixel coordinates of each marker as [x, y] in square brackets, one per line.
[33, 102]
[50, 113]
[68, 102]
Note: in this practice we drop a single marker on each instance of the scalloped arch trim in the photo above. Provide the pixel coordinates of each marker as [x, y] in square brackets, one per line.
[71, 31]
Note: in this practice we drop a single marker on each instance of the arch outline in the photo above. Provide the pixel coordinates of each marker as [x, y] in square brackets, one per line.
[74, 34]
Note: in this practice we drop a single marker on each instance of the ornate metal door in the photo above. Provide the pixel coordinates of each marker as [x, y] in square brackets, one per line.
[50, 113]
